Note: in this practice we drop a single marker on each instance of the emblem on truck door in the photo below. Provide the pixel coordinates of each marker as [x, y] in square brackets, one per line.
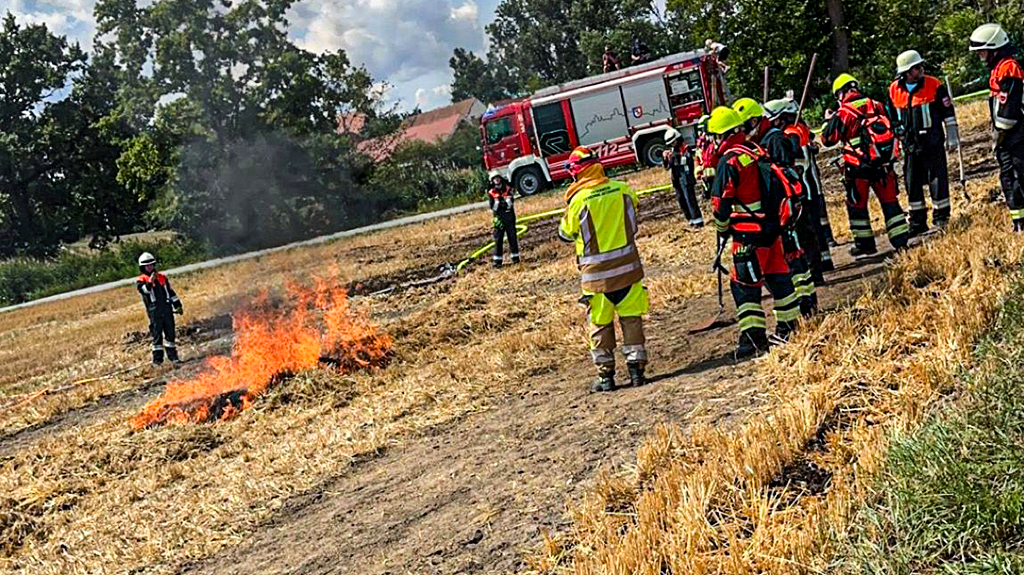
[638, 112]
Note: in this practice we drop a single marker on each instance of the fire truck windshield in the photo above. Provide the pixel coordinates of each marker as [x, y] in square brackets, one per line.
[498, 129]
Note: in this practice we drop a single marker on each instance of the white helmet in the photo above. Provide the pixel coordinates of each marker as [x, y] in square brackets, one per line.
[775, 108]
[907, 60]
[146, 259]
[988, 37]
[671, 135]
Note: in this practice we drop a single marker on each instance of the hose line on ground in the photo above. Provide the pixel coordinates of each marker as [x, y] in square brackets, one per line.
[521, 226]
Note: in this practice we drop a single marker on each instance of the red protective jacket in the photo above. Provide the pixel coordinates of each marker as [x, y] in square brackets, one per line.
[736, 193]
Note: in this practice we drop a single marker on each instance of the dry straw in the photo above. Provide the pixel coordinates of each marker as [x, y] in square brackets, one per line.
[773, 494]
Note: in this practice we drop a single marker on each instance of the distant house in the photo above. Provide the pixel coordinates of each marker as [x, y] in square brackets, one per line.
[432, 126]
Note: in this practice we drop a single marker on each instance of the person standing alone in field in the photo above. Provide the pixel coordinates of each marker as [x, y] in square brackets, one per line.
[601, 220]
[161, 304]
[502, 203]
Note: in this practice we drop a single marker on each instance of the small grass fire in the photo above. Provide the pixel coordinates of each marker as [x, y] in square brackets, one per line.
[313, 326]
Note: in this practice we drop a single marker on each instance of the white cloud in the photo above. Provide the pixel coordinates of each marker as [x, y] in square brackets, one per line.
[467, 11]
[406, 43]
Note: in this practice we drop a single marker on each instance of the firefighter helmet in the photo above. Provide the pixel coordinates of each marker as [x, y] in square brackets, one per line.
[580, 158]
[146, 259]
[671, 135]
[988, 37]
[907, 60]
[724, 120]
[748, 108]
[775, 108]
[841, 82]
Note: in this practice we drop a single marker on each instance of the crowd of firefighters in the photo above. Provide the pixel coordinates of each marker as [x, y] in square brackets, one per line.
[758, 163]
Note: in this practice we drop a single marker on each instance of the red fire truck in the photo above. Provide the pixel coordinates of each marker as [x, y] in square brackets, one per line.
[622, 115]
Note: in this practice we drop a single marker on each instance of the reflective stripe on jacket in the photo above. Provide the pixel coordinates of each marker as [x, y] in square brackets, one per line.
[602, 221]
[1006, 84]
[156, 292]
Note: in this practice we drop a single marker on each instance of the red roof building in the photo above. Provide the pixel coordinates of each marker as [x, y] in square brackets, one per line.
[431, 127]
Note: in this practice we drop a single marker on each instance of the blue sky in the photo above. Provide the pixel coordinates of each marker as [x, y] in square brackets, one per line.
[405, 43]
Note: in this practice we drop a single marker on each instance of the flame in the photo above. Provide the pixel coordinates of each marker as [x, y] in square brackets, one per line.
[313, 326]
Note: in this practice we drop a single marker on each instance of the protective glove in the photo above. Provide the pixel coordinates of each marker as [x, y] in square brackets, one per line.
[952, 136]
[497, 223]
[178, 309]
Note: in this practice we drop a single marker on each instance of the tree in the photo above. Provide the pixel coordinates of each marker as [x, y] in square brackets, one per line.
[236, 122]
[34, 66]
[473, 78]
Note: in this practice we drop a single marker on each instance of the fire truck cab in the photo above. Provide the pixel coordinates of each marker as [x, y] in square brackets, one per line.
[621, 115]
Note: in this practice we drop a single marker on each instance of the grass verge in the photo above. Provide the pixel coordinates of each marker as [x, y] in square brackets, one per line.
[25, 279]
[951, 495]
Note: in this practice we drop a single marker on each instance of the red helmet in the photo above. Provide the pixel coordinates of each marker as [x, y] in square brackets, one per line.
[580, 159]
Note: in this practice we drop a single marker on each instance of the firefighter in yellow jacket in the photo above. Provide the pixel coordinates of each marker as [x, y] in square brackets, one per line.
[601, 218]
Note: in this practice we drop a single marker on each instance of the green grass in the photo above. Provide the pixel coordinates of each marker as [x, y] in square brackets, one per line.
[24, 279]
[951, 496]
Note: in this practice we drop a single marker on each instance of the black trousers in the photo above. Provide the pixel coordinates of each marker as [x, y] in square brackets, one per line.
[506, 226]
[925, 163]
[686, 195]
[161, 329]
[1010, 157]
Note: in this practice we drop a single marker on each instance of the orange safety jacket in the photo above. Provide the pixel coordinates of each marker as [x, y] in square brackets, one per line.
[923, 111]
[1006, 84]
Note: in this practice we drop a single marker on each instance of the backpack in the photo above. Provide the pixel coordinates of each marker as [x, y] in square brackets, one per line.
[781, 193]
[878, 145]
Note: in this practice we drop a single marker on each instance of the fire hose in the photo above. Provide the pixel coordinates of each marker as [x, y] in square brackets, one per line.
[521, 227]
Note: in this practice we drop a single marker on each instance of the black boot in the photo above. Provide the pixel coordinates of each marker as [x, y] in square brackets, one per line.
[515, 258]
[605, 379]
[752, 342]
[860, 251]
[172, 354]
[158, 357]
[636, 373]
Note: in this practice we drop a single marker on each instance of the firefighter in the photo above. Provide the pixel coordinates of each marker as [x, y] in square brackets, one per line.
[601, 219]
[869, 149]
[1006, 84]
[608, 60]
[499, 197]
[800, 244]
[640, 52]
[679, 159]
[757, 255]
[161, 304]
[782, 115]
[920, 106]
[707, 147]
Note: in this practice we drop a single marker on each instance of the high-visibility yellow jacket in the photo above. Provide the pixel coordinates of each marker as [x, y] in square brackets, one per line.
[601, 220]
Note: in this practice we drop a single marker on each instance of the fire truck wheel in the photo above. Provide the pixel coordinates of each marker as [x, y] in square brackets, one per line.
[651, 151]
[528, 180]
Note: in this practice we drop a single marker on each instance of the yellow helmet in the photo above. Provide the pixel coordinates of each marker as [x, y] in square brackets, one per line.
[841, 82]
[723, 119]
[748, 108]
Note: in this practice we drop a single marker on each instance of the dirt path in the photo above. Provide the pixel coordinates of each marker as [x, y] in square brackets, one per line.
[472, 495]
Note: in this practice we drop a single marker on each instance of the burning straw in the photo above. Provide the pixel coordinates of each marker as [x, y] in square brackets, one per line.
[314, 326]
